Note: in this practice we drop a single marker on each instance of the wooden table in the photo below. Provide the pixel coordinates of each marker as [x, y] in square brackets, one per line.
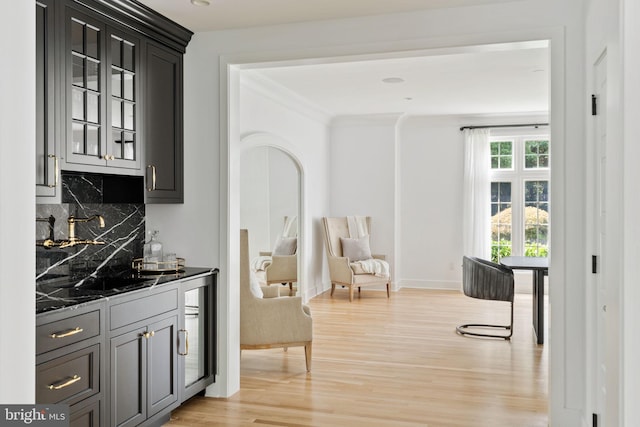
[540, 268]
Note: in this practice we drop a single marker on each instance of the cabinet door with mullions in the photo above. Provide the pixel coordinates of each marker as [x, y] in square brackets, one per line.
[85, 42]
[123, 140]
[102, 93]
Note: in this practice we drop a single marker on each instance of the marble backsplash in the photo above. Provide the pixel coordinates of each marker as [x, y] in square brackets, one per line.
[118, 199]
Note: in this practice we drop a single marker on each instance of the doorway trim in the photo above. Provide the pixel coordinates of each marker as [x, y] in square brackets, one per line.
[565, 407]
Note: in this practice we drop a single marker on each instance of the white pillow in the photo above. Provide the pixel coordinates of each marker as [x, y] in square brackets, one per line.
[285, 246]
[256, 290]
[356, 249]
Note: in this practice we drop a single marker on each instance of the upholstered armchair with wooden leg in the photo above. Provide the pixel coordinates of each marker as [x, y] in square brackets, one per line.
[271, 322]
[351, 263]
[280, 266]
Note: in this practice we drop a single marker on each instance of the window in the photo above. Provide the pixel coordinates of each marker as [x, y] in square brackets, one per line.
[519, 196]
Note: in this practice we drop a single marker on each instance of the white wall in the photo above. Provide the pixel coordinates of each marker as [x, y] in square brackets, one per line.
[431, 176]
[362, 176]
[17, 203]
[210, 83]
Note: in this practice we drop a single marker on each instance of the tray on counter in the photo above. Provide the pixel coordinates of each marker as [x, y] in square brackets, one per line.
[158, 267]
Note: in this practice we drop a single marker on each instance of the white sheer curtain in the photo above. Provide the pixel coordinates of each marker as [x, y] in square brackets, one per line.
[476, 227]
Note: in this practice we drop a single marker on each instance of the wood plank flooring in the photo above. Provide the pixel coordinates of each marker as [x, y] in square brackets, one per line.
[391, 362]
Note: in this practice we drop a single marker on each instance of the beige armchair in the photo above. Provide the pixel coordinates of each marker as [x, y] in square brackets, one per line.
[281, 268]
[271, 322]
[342, 270]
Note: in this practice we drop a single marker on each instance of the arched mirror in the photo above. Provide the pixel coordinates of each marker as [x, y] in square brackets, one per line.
[270, 210]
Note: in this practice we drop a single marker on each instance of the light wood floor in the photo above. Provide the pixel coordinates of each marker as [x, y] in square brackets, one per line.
[391, 362]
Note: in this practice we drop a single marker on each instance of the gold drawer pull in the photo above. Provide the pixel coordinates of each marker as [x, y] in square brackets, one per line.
[70, 332]
[148, 335]
[66, 383]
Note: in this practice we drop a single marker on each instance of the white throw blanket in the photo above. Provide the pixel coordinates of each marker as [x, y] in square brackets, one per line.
[260, 263]
[357, 226]
[377, 267]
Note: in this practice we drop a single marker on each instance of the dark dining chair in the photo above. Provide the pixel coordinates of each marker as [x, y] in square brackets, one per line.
[486, 280]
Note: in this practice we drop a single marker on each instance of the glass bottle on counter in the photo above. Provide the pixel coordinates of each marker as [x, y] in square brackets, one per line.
[152, 251]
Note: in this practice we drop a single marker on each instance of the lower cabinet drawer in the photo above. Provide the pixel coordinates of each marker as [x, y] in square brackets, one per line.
[54, 335]
[70, 378]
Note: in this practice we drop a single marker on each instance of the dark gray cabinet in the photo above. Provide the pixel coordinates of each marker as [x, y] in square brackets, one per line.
[47, 160]
[101, 107]
[163, 124]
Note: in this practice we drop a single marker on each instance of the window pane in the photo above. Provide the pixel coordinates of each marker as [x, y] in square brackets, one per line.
[501, 220]
[501, 155]
[536, 154]
[536, 218]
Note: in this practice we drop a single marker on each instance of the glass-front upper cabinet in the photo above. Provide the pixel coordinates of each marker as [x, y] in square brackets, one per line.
[101, 94]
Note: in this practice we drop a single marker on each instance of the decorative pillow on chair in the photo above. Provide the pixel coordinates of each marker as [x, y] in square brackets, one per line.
[285, 246]
[356, 249]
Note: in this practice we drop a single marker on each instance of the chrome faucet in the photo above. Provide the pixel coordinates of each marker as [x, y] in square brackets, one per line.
[72, 240]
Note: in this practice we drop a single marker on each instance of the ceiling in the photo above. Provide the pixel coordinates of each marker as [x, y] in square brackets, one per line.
[227, 14]
[484, 80]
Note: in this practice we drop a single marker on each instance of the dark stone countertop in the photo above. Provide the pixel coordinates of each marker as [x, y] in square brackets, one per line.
[65, 291]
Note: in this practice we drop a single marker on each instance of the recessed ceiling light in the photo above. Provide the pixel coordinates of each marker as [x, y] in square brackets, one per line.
[200, 2]
[393, 80]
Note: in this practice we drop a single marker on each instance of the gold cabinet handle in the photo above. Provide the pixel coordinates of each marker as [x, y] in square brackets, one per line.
[55, 170]
[109, 157]
[63, 384]
[151, 187]
[67, 333]
[186, 343]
